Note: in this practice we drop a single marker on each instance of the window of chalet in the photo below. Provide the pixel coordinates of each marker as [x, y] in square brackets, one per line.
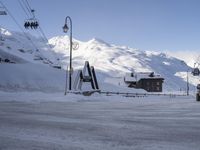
[158, 88]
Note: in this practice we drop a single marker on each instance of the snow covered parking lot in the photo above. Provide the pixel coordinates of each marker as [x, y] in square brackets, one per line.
[35, 121]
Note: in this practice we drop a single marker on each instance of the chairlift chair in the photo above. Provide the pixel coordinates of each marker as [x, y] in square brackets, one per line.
[57, 67]
[31, 23]
[198, 87]
[36, 57]
[196, 72]
[3, 11]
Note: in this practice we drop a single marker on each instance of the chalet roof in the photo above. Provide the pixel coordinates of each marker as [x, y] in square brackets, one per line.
[134, 77]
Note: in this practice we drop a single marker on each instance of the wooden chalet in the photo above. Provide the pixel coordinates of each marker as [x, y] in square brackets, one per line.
[148, 81]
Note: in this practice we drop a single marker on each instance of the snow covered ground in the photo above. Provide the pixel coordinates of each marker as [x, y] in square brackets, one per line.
[39, 121]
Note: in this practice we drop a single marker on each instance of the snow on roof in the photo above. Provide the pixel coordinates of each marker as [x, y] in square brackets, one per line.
[133, 77]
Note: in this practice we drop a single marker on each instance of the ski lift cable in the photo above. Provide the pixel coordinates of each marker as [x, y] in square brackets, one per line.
[40, 28]
[23, 8]
[26, 4]
[28, 15]
[47, 41]
[44, 38]
[25, 13]
[25, 34]
[42, 32]
[40, 36]
[28, 8]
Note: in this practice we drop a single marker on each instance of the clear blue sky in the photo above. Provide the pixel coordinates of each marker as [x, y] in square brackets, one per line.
[145, 24]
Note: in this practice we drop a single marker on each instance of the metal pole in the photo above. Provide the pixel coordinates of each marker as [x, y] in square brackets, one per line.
[70, 85]
[187, 84]
[70, 61]
[66, 81]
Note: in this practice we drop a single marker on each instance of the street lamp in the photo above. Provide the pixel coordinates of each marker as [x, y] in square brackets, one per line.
[65, 30]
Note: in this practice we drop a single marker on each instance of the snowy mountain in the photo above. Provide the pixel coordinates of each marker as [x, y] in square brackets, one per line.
[190, 57]
[117, 60]
[112, 62]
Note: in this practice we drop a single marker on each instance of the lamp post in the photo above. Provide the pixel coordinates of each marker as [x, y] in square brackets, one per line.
[187, 83]
[187, 77]
[65, 30]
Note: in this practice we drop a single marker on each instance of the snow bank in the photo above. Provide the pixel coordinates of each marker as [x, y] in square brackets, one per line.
[31, 77]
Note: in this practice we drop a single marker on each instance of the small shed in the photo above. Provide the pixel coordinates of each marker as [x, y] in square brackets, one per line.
[148, 81]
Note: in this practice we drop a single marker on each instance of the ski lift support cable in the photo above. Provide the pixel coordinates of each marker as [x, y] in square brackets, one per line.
[33, 15]
[23, 8]
[30, 11]
[29, 15]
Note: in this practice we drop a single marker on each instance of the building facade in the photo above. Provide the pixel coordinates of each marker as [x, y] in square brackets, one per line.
[147, 81]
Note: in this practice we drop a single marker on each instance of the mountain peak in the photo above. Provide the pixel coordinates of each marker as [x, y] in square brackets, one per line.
[98, 41]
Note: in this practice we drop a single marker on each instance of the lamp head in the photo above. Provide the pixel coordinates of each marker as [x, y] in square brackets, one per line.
[65, 28]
